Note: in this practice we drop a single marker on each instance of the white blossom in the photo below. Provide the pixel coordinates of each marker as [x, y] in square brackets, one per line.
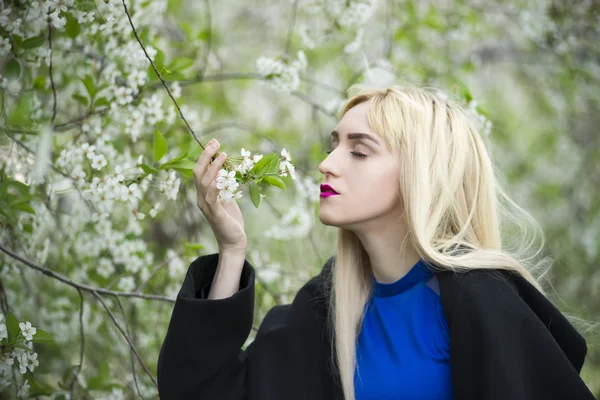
[99, 162]
[27, 330]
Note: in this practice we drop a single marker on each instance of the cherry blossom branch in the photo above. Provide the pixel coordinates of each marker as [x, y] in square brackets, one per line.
[50, 70]
[130, 350]
[66, 125]
[159, 76]
[114, 320]
[87, 288]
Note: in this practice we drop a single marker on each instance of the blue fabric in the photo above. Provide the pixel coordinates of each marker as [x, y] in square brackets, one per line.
[403, 349]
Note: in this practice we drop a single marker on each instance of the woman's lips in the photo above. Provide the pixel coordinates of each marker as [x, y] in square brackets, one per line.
[328, 194]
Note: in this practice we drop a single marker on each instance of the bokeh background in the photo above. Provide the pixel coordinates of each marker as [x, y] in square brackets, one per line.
[83, 115]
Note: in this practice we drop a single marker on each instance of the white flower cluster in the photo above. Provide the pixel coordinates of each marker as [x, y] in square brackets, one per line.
[285, 166]
[168, 183]
[227, 183]
[351, 15]
[26, 359]
[227, 186]
[248, 161]
[357, 13]
[281, 75]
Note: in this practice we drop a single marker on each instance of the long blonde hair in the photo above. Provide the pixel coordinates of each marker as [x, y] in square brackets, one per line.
[451, 200]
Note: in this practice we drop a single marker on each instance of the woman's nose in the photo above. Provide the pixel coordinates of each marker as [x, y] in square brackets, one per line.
[325, 165]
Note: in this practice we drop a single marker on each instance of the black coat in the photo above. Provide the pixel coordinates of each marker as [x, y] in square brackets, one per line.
[507, 341]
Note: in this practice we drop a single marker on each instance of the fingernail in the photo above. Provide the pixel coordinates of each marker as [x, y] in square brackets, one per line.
[215, 144]
[222, 155]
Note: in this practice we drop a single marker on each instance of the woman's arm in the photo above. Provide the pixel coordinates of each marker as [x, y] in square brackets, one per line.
[201, 355]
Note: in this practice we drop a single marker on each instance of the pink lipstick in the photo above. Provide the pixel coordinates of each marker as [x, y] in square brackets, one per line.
[327, 191]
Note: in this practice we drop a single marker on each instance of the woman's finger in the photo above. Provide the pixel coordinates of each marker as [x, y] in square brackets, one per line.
[211, 200]
[204, 160]
[213, 170]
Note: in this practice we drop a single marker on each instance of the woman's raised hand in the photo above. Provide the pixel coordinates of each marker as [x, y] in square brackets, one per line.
[225, 219]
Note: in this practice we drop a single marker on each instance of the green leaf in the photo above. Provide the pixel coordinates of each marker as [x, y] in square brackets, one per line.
[274, 181]
[88, 82]
[72, 27]
[22, 346]
[183, 164]
[12, 326]
[264, 164]
[254, 194]
[101, 102]
[168, 164]
[181, 63]
[148, 169]
[23, 207]
[39, 388]
[160, 146]
[12, 69]
[164, 71]
[98, 382]
[80, 99]
[42, 336]
[204, 34]
[40, 82]
[33, 42]
[193, 246]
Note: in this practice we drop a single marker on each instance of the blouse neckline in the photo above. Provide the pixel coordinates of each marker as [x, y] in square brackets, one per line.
[418, 273]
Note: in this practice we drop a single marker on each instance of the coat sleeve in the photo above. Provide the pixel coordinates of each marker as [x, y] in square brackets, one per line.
[509, 342]
[201, 355]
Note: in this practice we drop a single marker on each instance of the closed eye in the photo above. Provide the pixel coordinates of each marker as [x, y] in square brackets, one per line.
[354, 153]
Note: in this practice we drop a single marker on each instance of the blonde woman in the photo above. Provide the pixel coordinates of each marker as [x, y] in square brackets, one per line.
[420, 301]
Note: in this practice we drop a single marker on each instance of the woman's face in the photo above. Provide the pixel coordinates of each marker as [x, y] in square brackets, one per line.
[367, 186]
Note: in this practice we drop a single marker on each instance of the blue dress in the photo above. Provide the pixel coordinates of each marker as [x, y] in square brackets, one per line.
[403, 349]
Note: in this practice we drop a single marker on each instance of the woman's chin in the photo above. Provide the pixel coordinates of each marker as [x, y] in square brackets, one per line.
[326, 220]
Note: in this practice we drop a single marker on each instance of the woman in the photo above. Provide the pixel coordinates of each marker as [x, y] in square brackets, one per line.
[420, 300]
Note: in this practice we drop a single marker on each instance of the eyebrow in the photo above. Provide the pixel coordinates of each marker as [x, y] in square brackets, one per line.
[356, 136]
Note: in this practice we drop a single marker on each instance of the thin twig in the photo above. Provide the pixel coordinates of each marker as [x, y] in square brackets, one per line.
[66, 125]
[87, 288]
[159, 76]
[81, 343]
[114, 320]
[131, 349]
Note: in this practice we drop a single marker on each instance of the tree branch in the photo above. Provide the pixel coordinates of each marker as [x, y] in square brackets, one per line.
[87, 288]
[114, 320]
[130, 350]
[159, 76]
